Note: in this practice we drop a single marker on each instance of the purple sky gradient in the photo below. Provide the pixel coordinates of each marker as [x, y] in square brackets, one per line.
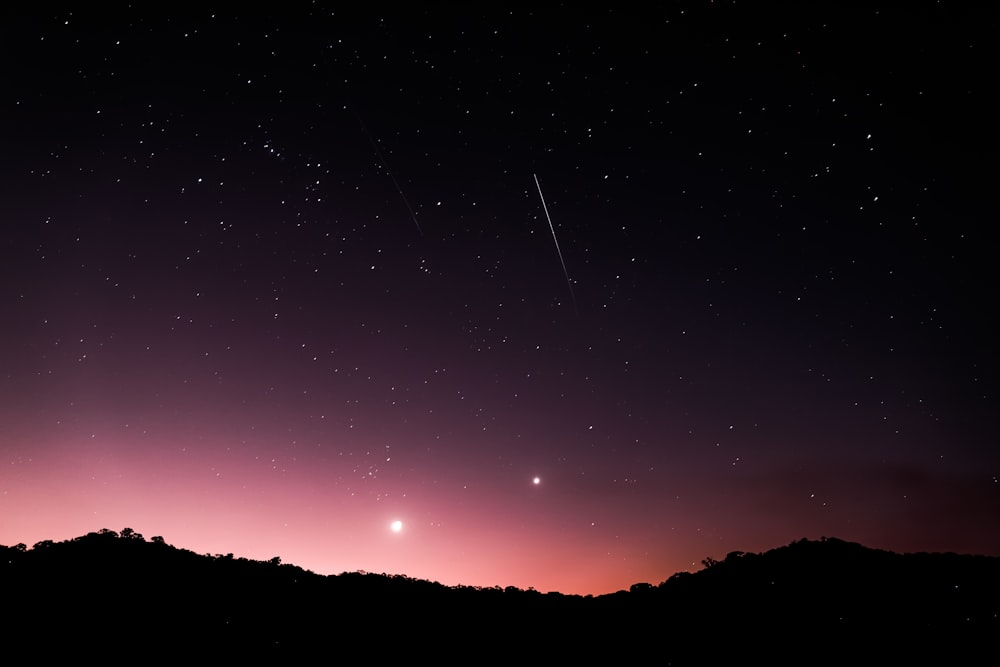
[272, 281]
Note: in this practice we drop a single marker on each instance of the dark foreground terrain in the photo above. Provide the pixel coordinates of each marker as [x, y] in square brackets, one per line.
[120, 598]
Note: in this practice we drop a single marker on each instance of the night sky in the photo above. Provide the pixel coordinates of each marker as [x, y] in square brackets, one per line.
[272, 281]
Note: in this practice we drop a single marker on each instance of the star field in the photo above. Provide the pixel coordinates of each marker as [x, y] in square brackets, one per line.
[283, 283]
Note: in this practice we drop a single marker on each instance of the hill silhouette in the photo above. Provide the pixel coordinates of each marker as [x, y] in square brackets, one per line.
[810, 602]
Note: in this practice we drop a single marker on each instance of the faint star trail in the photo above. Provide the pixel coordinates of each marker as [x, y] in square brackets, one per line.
[385, 165]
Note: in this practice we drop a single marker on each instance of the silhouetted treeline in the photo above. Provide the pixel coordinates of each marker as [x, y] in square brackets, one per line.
[811, 602]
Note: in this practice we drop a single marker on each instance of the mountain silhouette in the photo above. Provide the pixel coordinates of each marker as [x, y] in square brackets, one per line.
[827, 601]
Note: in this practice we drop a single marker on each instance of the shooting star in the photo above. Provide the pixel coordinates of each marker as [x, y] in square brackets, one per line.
[385, 165]
[552, 228]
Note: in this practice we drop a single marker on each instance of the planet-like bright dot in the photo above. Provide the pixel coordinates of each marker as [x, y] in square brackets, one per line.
[536, 481]
[396, 526]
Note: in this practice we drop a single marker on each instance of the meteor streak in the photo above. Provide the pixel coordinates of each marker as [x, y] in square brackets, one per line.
[545, 208]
